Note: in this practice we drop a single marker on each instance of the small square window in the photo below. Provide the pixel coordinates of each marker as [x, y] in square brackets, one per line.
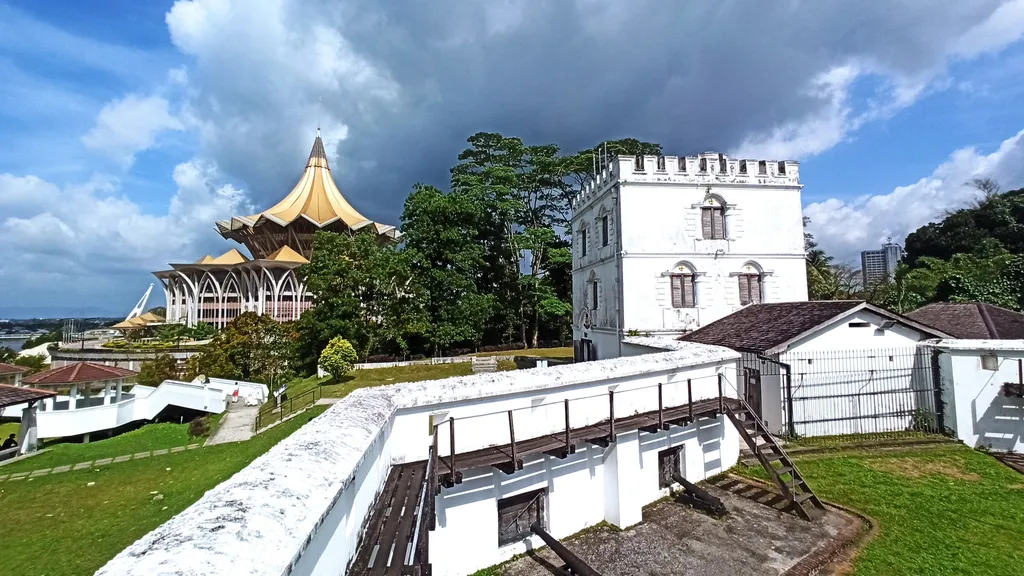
[517, 513]
[670, 463]
[989, 362]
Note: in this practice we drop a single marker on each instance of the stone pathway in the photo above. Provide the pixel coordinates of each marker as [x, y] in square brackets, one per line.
[93, 463]
[237, 424]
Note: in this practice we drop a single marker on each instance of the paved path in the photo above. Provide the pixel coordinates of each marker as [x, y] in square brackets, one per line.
[99, 462]
[237, 424]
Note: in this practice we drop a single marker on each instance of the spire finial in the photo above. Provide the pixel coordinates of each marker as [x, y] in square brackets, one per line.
[319, 113]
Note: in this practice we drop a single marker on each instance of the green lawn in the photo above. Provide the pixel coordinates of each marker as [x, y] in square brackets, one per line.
[563, 353]
[943, 509]
[148, 437]
[378, 377]
[59, 525]
[8, 428]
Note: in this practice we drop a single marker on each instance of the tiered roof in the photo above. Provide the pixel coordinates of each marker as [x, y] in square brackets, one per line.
[315, 199]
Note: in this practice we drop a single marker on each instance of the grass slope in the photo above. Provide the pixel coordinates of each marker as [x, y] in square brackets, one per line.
[59, 525]
[378, 377]
[941, 510]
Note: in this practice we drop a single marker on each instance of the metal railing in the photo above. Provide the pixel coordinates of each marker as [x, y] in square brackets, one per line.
[272, 410]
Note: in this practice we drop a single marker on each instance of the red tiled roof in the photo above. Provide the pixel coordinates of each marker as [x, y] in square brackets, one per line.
[11, 369]
[11, 395]
[972, 320]
[78, 372]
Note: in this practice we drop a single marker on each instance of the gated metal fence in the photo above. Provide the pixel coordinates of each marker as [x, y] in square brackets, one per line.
[277, 410]
[881, 392]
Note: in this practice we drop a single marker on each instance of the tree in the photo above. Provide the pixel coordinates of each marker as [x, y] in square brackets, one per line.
[7, 355]
[173, 333]
[213, 362]
[155, 371]
[202, 331]
[338, 357]
[51, 336]
[364, 292]
[995, 221]
[34, 363]
[442, 242]
[251, 347]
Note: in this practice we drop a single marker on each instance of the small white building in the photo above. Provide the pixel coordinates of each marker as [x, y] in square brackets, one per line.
[983, 387]
[364, 482]
[663, 245]
[824, 368]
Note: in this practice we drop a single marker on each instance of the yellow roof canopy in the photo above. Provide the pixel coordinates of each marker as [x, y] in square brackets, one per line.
[316, 197]
[286, 254]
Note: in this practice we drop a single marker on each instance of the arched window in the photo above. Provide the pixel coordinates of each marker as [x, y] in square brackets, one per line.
[712, 219]
[751, 284]
[683, 287]
[583, 242]
[593, 293]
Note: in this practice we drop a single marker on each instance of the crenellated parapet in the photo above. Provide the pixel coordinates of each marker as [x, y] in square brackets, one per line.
[703, 169]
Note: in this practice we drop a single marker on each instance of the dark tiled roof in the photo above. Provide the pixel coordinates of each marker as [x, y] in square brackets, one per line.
[78, 372]
[11, 369]
[11, 395]
[761, 327]
[971, 320]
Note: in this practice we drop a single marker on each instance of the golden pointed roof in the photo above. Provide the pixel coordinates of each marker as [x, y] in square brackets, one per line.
[232, 256]
[286, 254]
[316, 197]
[205, 259]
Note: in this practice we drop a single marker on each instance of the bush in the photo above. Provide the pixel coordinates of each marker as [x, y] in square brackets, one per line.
[154, 372]
[338, 357]
[199, 426]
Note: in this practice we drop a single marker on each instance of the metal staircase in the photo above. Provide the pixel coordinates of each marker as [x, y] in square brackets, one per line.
[776, 462]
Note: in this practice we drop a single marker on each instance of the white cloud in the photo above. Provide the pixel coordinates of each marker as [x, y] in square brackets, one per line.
[130, 125]
[833, 118]
[91, 231]
[845, 227]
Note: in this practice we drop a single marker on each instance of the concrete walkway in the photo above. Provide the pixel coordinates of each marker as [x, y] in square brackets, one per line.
[237, 424]
[96, 463]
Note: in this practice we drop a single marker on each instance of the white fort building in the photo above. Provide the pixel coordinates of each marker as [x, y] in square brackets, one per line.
[663, 245]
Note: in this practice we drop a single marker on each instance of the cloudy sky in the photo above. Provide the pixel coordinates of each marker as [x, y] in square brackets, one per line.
[127, 128]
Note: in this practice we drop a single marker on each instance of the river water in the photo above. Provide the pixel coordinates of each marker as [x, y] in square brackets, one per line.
[12, 344]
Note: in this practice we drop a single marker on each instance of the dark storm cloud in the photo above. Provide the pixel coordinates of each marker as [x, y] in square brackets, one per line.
[694, 76]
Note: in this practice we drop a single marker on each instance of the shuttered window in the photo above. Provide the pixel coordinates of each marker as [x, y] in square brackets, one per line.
[750, 289]
[683, 291]
[712, 223]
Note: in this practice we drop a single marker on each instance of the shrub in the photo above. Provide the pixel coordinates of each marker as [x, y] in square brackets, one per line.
[199, 426]
[338, 357]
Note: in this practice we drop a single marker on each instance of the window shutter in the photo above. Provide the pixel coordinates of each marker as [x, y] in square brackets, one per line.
[705, 223]
[744, 290]
[718, 222]
[689, 291]
[755, 289]
[677, 291]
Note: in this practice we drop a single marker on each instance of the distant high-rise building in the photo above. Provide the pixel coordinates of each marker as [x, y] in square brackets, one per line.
[880, 265]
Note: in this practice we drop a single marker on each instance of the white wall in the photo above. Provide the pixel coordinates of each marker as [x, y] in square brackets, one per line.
[591, 486]
[654, 221]
[839, 360]
[976, 410]
[299, 508]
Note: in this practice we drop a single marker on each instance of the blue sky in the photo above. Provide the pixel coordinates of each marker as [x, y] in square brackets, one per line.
[127, 128]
